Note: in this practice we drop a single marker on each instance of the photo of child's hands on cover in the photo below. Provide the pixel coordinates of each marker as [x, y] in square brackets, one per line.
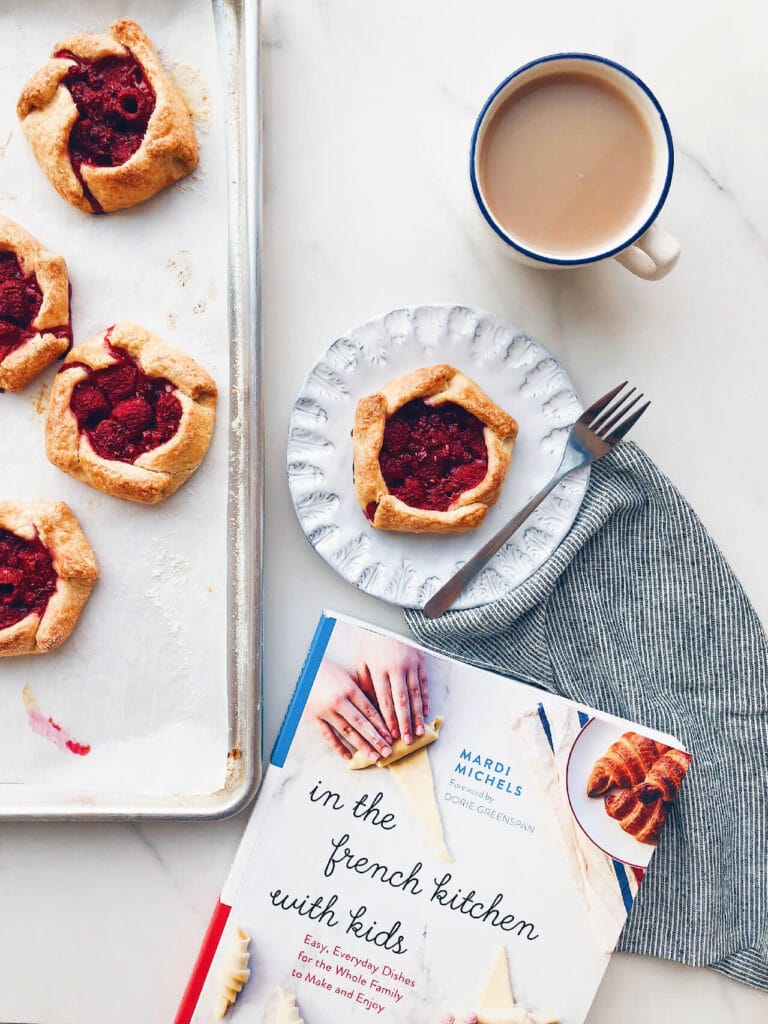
[384, 697]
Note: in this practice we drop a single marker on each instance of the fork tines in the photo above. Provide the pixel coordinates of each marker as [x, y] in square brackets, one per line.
[607, 417]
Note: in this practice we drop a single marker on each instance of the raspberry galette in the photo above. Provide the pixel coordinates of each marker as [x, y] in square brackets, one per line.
[105, 122]
[431, 451]
[47, 571]
[130, 415]
[35, 326]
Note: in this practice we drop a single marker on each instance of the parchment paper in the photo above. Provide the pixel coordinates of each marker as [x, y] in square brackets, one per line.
[143, 677]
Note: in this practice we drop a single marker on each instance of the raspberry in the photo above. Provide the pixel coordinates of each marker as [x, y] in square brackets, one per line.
[109, 439]
[146, 389]
[14, 303]
[395, 436]
[89, 404]
[440, 497]
[151, 439]
[168, 413]
[27, 578]
[31, 561]
[391, 469]
[413, 493]
[9, 582]
[133, 106]
[117, 382]
[9, 267]
[477, 447]
[470, 475]
[134, 414]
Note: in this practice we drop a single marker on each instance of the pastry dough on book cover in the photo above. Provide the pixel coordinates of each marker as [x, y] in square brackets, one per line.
[432, 842]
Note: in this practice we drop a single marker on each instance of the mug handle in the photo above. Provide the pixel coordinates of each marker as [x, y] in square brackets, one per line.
[652, 255]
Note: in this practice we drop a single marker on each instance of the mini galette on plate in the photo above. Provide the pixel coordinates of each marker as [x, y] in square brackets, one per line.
[431, 451]
[105, 122]
[35, 325]
[47, 571]
[130, 415]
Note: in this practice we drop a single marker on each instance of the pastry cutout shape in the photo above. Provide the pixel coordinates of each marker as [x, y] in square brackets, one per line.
[410, 768]
[431, 452]
[285, 1009]
[413, 776]
[400, 748]
[233, 975]
[497, 1004]
[498, 987]
[47, 572]
[105, 122]
[35, 326]
[130, 415]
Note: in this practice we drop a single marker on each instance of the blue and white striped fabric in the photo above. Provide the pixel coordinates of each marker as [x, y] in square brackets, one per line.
[638, 613]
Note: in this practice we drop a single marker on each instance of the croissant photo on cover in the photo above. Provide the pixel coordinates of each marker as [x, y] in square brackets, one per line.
[418, 807]
[382, 512]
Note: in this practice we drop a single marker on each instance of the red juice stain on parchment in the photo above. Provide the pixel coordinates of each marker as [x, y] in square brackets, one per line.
[45, 726]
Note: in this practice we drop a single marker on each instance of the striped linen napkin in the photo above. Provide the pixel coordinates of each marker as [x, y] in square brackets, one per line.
[637, 613]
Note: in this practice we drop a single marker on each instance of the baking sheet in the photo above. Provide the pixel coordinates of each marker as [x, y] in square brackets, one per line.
[160, 676]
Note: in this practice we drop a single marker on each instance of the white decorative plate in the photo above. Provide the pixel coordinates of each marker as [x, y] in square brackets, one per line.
[515, 371]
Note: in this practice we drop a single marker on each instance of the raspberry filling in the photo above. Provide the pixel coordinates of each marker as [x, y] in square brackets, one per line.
[122, 411]
[431, 454]
[20, 302]
[27, 578]
[115, 100]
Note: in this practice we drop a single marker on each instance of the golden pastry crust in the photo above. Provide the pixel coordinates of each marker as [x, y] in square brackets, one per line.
[435, 385]
[158, 473]
[74, 563]
[44, 347]
[47, 113]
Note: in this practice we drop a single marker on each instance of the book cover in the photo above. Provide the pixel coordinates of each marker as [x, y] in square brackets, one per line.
[484, 873]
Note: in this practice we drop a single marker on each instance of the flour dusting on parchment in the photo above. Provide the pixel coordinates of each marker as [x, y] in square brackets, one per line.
[169, 566]
[180, 266]
[194, 91]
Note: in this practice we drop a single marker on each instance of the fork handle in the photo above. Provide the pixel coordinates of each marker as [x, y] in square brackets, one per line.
[447, 594]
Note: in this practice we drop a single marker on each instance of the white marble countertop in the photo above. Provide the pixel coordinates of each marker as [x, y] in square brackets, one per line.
[368, 110]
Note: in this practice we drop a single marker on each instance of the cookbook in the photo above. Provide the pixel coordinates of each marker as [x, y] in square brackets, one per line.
[482, 869]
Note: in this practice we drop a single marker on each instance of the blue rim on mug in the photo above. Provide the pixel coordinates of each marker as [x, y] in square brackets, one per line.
[555, 260]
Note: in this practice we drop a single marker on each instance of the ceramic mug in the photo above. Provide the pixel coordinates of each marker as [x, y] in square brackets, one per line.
[644, 248]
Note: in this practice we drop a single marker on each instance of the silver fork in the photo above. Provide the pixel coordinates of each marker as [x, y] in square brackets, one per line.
[592, 436]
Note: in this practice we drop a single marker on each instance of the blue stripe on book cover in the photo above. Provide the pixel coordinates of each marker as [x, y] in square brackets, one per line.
[626, 892]
[301, 693]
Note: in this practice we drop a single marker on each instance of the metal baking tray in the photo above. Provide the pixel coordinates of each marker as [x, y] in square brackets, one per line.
[237, 34]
